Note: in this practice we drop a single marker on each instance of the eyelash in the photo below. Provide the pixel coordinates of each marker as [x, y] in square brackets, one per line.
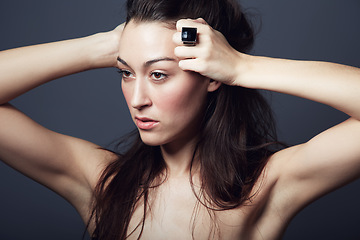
[122, 72]
[162, 78]
[152, 74]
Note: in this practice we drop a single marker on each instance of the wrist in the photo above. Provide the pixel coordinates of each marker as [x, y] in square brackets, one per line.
[243, 66]
[103, 49]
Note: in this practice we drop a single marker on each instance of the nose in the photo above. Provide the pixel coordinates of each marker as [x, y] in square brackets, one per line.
[140, 97]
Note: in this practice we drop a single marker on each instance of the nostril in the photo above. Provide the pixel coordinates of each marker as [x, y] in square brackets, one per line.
[140, 95]
[141, 104]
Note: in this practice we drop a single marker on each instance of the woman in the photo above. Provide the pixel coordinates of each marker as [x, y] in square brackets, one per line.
[168, 106]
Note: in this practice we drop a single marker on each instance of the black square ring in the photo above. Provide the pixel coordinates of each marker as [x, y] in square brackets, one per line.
[189, 36]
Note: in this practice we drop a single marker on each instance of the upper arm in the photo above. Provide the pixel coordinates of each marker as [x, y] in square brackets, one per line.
[310, 170]
[67, 165]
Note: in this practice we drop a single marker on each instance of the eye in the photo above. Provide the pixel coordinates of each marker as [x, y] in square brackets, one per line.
[125, 74]
[158, 76]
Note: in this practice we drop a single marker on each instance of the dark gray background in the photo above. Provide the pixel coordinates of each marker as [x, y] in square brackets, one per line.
[90, 105]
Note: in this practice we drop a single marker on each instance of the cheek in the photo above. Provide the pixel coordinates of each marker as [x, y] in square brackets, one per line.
[127, 94]
[182, 100]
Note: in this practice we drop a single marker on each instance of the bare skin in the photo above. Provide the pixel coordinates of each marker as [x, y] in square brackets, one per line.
[71, 166]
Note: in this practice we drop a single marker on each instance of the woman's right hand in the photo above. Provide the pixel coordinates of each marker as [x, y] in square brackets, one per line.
[106, 47]
[45, 62]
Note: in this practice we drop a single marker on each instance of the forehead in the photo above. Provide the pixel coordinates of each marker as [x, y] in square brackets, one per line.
[145, 41]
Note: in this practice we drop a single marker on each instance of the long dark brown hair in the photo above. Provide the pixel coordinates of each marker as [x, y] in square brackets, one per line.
[235, 139]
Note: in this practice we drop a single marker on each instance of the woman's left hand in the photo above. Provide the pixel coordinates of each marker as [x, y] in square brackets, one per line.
[212, 56]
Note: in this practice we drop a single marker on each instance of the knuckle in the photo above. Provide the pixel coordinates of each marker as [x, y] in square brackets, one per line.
[206, 53]
[207, 29]
[201, 66]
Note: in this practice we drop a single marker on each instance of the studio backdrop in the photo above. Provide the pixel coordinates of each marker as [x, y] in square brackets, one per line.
[90, 105]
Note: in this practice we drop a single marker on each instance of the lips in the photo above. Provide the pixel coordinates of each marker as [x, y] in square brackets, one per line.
[145, 123]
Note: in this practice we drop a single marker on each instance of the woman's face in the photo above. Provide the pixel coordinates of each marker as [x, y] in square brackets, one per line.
[165, 102]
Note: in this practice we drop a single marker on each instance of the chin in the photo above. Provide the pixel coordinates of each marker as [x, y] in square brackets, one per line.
[151, 143]
[151, 140]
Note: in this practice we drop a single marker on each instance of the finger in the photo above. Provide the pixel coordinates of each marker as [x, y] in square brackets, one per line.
[201, 20]
[198, 23]
[190, 23]
[201, 34]
[194, 65]
[182, 23]
[177, 38]
[183, 52]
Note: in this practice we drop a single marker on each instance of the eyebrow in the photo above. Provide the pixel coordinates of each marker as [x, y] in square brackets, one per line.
[150, 62]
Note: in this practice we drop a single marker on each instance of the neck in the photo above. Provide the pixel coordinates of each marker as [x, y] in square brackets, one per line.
[178, 157]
